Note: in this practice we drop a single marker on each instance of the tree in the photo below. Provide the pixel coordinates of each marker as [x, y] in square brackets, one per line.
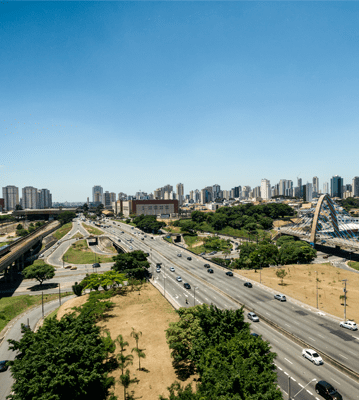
[18, 227]
[238, 368]
[124, 361]
[85, 207]
[66, 359]
[126, 381]
[134, 264]
[40, 272]
[18, 207]
[281, 274]
[66, 216]
[140, 354]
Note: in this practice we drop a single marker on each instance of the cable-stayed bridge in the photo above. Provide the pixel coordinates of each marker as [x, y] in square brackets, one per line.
[326, 222]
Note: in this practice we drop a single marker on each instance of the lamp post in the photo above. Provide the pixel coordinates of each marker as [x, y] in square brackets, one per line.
[345, 298]
[164, 286]
[289, 378]
[194, 298]
[317, 288]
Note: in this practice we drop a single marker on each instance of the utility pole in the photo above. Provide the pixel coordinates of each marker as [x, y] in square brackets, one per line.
[345, 298]
[317, 288]
[289, 388]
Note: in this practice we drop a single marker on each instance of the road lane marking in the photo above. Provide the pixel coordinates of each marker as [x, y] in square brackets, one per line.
[288, 325]
[343, 356]
[335, 381]
[293, 379]
[321, 336]
[288, 360]
[310, 392]
[311, 338]
[300, 385]
[286, 373]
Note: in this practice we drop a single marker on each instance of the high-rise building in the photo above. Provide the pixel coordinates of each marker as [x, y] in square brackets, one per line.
[29, 198]
[315, 184]
[216, 189]
[355, 187]
[44, 199]
[97, 192]
[256, 192]
[336, 186]
[308, 192]
[113, 197]
[180, 192]
[326, 188]
[197, 196]
[10, 195]
[106, 199]
[265, 189]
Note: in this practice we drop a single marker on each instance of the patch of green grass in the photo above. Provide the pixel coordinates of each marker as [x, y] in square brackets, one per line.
[79, 253]
[191, 239]
[169, 240]
[64, 230]
[10, 307]
[354, 264]
[92, 230]
[54, 313]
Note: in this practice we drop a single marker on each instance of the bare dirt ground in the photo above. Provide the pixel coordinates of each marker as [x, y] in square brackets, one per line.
[300, 283]
[149, 313]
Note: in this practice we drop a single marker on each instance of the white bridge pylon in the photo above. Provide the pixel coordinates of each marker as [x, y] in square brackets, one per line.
[325, 222]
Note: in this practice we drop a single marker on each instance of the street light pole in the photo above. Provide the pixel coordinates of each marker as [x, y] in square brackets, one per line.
[164, 286]
[317, 290]
[345, 298]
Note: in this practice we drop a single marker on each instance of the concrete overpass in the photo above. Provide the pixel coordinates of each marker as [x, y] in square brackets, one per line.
[14, 261]
[48, 213]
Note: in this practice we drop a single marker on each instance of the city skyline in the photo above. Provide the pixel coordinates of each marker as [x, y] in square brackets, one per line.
[133, 95]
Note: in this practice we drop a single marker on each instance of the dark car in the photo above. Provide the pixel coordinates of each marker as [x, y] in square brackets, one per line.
[189, 258]
[248, 284]
[187, 286]
[207, 265]
[96, 265]
[327, 391]
[255, 335]
[3, 365]
[210, 270]
[229, 273]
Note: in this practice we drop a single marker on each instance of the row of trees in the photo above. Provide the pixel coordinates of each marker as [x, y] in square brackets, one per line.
[263, 254]
[148, 223]
[246, 216]
[217, 345]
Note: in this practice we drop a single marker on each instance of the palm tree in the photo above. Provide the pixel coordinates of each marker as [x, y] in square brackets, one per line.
[140, 355]
[126, 381]
[136, 336]
[124, 361]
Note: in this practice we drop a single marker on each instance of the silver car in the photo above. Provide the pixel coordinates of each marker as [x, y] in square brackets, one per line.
[252, 316]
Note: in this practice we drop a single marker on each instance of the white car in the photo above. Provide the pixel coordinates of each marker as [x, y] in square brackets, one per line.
[172, 269]
[158, 270]
[252, 316]
[349, 325]
[179, 279]
[312, 356]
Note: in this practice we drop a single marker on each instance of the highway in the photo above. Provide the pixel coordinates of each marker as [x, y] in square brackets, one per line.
[321, 332]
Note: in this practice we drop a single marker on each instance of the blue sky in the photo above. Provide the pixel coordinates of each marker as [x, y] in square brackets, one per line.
[136, 95]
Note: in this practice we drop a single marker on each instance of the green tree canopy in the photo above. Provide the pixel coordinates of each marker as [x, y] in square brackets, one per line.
[40, 272]
[66, 216]
[66, 359]
[133, 264]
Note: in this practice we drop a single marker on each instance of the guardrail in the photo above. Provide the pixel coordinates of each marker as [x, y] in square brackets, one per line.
[291, 336]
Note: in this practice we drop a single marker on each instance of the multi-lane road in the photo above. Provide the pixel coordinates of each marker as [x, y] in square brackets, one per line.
[321, 332]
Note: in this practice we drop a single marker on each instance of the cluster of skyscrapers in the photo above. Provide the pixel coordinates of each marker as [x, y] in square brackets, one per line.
[32, 198]
[284, 188]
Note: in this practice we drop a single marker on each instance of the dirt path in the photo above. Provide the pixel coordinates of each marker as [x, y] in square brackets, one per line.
[149, 313]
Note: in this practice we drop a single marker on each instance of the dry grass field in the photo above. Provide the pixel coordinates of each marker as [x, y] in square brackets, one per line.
[149, 313]
[300, 284]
